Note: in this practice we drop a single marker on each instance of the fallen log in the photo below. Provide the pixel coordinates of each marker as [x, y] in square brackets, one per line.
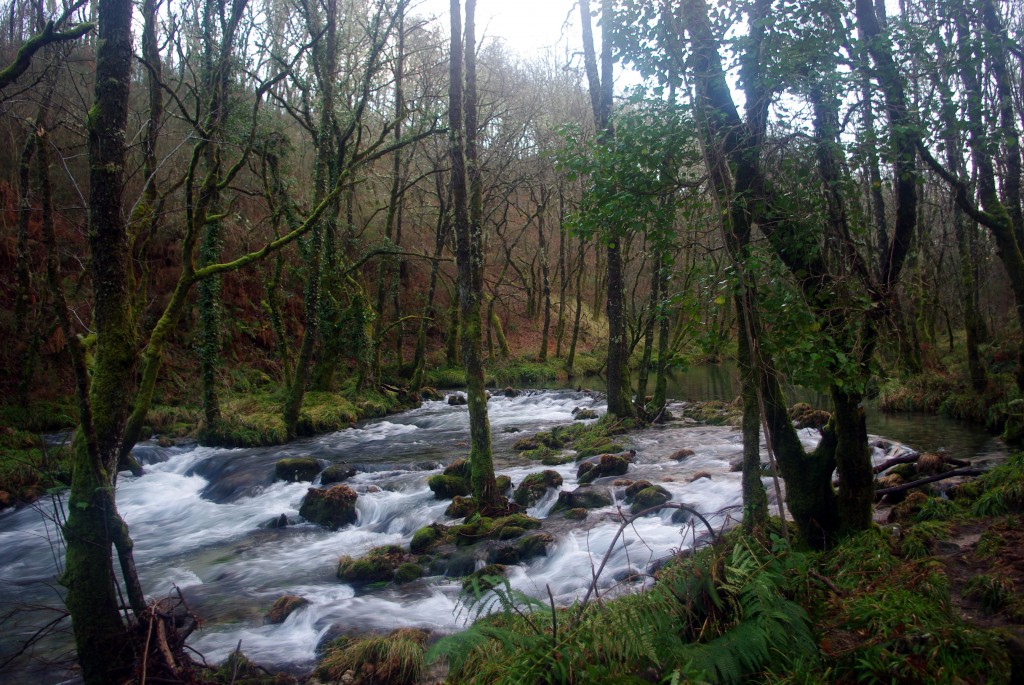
[965, 471]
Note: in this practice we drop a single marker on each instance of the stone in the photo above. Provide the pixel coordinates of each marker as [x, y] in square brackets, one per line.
[535, 485]
[284, 607]
[606, 465]
[651, 496]
[680, 455]
[426, 537]
[379, 565]
[448, 487]
[456, 400]
[511, 392]
[332, 507]
[503, 483]
[460, 507]
[429, 393]
[578, 514]
[296, 469]
[584, 414]
[584, 497]
[534, 545]
[483, 580]
[336, 473]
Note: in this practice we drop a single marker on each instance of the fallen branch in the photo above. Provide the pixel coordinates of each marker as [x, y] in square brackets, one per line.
[966, 471]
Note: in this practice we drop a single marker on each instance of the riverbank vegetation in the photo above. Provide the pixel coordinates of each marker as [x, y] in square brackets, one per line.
[258, 220]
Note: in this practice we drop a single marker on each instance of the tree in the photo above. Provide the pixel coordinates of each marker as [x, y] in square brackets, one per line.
[467, 210]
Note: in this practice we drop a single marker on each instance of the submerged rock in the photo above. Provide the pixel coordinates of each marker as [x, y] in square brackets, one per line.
[296, 469]
[332, 507]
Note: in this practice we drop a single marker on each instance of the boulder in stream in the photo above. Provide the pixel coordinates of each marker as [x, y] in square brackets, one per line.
[331, 507]
[336, 473]
[605, 465]
[681, 454]
[583, 497]
[284, 607]
[296, 469]
[535, 485]
[642, 495]
[426, 537]
[379, 565]
[454, 480]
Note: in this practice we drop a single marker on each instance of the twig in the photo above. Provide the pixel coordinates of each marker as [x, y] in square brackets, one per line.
[145, 648]
[554, 616]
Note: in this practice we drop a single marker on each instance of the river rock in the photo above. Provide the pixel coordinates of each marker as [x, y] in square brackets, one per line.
[457, 400]
[426, 537]
[511, 392]
[680, 455]
[606, 465]
[332, 507]
[429, 393]
[583, 497]
[579, 414]
[336, 473]
[379, 565]
[503, 483]
[296, 469]
[447, 487]
[277, 522]
[461, 507]
[650, 496]
[284, 607]
[535, 485]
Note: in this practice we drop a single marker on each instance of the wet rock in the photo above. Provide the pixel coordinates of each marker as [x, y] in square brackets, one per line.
[448, 487]
[524, 444]
[460, 507]
[628, 575]
[535, 485]
[332, 507]
[378, 566]
[511, 429]
[804, 415]
[651, 496]
[584, 414]
[296, 469]
[480, 528]
[682, 516]
[485, 578]
[584, 497]
[336, 473]
[680, 455]
[454, 565]
[276, 522]
[503, 483]
[606, 465]
[429, 393]
[284, 607]
[407, 572]
[701, 474]
[457, 400]
[736, 465]
[426, 537]
[232, 476]
[578, 514]
[511, 392]
[535, 545]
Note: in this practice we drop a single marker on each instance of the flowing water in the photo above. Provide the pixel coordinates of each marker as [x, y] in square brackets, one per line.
[199, 520]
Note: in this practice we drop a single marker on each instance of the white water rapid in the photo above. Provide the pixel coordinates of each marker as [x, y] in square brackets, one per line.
[198, 518]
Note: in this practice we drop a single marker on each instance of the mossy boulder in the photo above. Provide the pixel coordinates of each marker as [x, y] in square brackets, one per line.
[511, 392]
[600, 447]
[525, 444]
[284, 607]
[296, 469]
[534, 545]
[606, 465]
[584, 414]
[479, 528]
[456, 400]
[429, 393]
[460, 507]
[577, 514]
[651, 496]
[714, 413]
[483, 580]
[447, 487]
[503, 483]
[908, 508]
[535, 485]
[332, 507]
[584, 497]
[336, 473]
[407, 572]
[379, 565]
[426, 537]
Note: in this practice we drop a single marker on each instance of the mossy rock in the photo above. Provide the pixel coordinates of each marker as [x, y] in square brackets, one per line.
[456, 400]
[555, 458]
[535, 485]
[585, 497]
[332, 507]
[284, 607]
[535, 545]
[713, 413]
[816, 418]
[577, 514]
[481, 528]
[378, 566]
[296, 469]
[429, 393]
[447, 487]
[459, 468]
[634, 487]
[648, 497]
[909, 507]
[526, 444]
[336, 473]
[503, 483]
[605, 447]
[607, 465]
[461, 507]
[551, 439]
[584, 415]
[426, 537]
[482, 579]
[510, 532]
[407, 572]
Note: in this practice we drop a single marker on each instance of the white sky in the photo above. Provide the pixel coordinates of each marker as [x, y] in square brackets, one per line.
[528, 26]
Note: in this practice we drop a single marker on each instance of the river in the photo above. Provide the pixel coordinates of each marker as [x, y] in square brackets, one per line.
[199, 520]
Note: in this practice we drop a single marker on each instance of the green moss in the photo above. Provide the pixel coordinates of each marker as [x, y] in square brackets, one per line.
[296, 469]
[407, 572]
[648, 497]
[447, 487]
[379, 565]
[535, 485]
[332, 507]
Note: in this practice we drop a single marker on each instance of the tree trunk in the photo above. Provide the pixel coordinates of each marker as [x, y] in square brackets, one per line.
[469, 257]
[570, 361]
